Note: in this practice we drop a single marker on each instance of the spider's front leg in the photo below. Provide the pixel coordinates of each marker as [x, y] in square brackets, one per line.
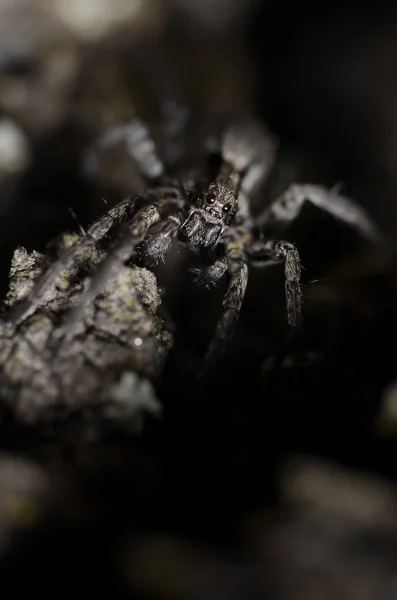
[68, 266]
[132, 234]
[238, 252]
[62, 272]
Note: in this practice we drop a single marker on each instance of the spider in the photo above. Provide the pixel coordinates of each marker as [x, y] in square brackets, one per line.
[212, 215]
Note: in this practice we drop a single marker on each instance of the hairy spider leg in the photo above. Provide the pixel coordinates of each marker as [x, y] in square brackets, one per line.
[237, 269]
[132, 234]
[70, 262]
[289, 205]
[283, 211]
[276, 251]
[142, 150]
[139, 145]
[238, 278]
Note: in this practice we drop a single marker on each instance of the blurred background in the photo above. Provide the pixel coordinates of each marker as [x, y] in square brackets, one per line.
[281, 482]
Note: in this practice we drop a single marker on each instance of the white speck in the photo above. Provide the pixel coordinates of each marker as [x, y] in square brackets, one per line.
[138, 342]
[15, 151]
[133, 398]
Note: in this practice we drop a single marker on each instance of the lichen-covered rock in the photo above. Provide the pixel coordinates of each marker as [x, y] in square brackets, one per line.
[120, 344]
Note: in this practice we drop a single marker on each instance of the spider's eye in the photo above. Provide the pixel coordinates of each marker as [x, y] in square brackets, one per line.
[227, 208]
[210, 199]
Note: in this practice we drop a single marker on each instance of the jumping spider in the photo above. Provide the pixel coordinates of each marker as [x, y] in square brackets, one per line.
[214, 218]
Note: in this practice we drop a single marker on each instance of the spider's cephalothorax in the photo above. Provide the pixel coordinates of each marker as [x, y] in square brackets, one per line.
[210, 214]
[220, 216]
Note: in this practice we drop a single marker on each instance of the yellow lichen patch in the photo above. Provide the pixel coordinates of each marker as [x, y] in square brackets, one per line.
[246, 239]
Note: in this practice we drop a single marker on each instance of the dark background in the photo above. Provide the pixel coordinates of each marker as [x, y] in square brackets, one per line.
[207, 504]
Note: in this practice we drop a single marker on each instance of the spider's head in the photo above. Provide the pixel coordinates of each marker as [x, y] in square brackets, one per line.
[210, 215]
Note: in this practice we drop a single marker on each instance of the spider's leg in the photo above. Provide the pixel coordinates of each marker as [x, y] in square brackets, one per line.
[139, 145]
[142, 150]
[67, 267]
[232, 301]
[276, 251]
[164, 87]
[285, 209]
[132, 235]
[209, 276]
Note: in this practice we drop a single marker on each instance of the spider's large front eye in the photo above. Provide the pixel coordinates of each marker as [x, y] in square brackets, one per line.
[210, 199]
[227, 208]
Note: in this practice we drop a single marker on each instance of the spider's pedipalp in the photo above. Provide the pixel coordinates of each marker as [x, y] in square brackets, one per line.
[201, 228]
[212, 212]
[155, 247]
[69, 264]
